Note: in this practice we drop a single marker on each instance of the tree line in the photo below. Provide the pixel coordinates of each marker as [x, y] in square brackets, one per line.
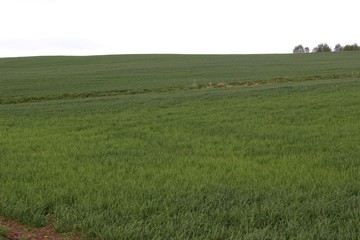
[324, 47]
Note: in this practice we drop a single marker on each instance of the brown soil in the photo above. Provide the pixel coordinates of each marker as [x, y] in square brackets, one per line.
[19, 231]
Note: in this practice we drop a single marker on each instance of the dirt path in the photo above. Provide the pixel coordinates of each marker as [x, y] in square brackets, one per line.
[11, 230]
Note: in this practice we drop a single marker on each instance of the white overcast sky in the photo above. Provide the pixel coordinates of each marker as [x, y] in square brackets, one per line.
[88, 27]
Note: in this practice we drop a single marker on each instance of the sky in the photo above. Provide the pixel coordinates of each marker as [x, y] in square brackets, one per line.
[96, 27]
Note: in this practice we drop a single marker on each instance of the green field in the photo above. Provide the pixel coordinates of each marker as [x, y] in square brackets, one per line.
[183, 146]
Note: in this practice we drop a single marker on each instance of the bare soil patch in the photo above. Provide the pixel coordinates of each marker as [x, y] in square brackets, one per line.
[14, 231]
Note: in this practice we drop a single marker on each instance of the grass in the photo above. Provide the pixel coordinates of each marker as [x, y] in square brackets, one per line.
[266, 161]
[3, 232]
[44, 76]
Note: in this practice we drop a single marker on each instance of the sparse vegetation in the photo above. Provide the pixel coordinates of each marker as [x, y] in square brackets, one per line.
[3, 232]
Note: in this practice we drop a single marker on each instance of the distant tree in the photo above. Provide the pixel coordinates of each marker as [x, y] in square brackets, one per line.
[307, 50]
[338, 48]
[353, 47]
[322, 47]
[299, 49]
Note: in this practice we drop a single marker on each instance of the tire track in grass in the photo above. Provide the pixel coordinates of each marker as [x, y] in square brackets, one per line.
[223, 84]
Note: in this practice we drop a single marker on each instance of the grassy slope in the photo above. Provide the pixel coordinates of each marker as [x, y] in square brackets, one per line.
[276, 161]
[44, 76]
